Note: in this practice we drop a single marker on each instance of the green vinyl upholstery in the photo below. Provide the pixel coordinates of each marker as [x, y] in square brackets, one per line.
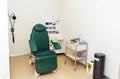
[40, 36]
[45, 59]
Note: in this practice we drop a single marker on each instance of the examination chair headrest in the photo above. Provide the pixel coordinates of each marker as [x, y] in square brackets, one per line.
[39, 27]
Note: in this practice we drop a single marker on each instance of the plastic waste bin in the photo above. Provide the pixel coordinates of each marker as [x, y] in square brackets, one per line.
[98, 72]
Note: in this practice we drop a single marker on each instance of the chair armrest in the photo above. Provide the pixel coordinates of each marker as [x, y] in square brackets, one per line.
[32, 45]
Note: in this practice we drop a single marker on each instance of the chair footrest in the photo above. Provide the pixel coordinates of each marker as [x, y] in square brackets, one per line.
[46, 63]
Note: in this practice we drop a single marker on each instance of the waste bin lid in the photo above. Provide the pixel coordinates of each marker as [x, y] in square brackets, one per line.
[99, 55]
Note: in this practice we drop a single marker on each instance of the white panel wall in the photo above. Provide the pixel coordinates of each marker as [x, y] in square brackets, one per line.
[29, 12]
[4, 51]
[97, 22]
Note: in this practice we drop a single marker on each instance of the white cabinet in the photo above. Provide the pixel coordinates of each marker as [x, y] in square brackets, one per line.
[61, 41]
[76, 52]
[54, 31]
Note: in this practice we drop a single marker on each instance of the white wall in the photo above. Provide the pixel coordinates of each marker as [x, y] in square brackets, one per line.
[4, 49]
[119, 72]
[29, 12]
[97, 22]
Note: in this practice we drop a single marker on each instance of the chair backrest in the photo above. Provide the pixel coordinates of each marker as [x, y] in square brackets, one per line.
[40, 36]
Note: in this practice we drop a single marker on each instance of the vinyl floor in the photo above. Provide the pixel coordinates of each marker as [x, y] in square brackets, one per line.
[20, 69]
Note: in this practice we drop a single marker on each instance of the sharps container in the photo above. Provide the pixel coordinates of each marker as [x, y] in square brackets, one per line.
[98, 71]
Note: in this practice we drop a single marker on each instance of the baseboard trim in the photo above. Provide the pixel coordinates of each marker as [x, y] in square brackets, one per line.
[106, 77]
[16, 55]
[60, 54]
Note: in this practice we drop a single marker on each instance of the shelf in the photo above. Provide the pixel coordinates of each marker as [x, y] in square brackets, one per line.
[77, 49]
[82, 50]
[56, 36]
[53, 27]
[73, 57]
[60, 39]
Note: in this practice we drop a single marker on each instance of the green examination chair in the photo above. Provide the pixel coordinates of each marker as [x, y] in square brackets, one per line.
[45, 59]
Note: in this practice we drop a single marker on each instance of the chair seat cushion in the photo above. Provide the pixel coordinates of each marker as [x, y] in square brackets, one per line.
[44, 52]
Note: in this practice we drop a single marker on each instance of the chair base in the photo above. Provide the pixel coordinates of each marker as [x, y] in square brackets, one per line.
[54, 71]
[36, 74]
[31, 60]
